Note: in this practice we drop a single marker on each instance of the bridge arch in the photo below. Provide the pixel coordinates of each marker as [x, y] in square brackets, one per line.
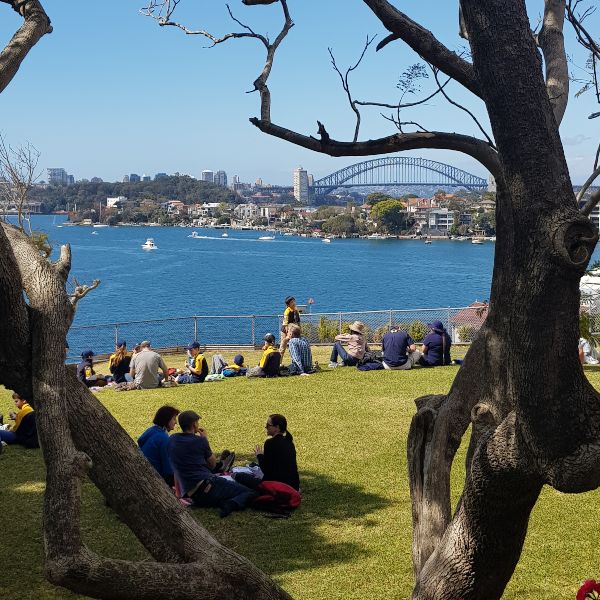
[398, 170]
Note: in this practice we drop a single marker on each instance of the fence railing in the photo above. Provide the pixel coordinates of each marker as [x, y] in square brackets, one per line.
[248, 330]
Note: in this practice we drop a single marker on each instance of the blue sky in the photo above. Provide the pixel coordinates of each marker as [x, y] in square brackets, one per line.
[109, 92]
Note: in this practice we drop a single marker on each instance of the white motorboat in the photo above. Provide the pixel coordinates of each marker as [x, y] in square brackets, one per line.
[194, 234]
[99, 225]
[149, 244]
[428, 241]
[265, 238]
[288, 233]
[326, 241]
[94, 233]
[224, 235]
[476, 241]
[376, 236]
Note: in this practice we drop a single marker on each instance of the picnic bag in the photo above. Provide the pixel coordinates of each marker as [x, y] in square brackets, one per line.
[276, 497]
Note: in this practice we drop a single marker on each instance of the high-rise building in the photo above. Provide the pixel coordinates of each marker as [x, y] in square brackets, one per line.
[58, 177]
[125, 178]
[301, 185]
[146, 178]
[208, 176]
[70, 180]
[221, 178]
[160, 176]
[134, 178]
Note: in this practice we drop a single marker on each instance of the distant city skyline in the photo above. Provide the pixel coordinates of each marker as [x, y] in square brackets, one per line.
[143, 98]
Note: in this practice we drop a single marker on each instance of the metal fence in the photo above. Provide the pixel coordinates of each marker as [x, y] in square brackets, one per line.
[248, 330]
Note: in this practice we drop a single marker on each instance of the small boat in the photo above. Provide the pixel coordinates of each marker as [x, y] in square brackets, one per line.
[428, 241]
[476, 241]
[225, 235]
[288, 233]
[326, 241]
[149, 244]
[266, 237]
[94, 233]
[375, 236]
[194, 234]
[99, 225]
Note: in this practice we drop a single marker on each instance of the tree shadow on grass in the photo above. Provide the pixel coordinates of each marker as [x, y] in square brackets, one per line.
[323, 531]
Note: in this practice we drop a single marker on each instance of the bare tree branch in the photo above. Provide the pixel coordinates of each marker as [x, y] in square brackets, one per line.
[463, 108]
[424, 43]
[552, 43]
[346, 84]
[476, 148]
[36, 25]
[406, 104]
[81, 290]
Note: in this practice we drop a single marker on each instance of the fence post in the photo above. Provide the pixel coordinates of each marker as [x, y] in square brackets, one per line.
[448, 319]
[116, 334]
[195, 329]
[340, 326]
[254, 330]
[391, 318]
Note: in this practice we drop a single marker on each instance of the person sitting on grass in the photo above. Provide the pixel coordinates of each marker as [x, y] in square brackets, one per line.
[193, 462]
[144, 367]
[24, 430]
[118, 363]
[197, 367]
[277, 460]
[155, 440]
[436, 346]
[299, 347]
[270, 360]
[399, 350]
[587, 353]
[86, 373]
[357, 346]
[237, 368]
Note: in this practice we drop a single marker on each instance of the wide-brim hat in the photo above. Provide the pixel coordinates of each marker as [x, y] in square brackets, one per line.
[358, 327]
[436, 325]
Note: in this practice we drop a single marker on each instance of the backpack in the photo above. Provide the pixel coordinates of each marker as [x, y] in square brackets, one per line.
[276, 497]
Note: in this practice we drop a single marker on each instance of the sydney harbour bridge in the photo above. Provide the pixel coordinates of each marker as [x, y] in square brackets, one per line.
[392, 171]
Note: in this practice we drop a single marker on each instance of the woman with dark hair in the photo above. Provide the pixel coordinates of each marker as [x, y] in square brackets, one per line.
[154, 441]
[118, 363]
[278, 459]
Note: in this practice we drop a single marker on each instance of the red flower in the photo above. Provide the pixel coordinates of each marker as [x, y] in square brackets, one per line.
[587, 590]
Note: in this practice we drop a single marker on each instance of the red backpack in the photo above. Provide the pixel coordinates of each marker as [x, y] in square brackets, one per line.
[276, 497]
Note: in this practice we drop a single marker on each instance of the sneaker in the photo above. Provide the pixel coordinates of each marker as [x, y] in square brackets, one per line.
[227, 460]
[227, 508]
[316, 367]
[333, 365]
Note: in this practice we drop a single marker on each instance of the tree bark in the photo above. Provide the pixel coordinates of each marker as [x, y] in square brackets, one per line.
[190, 562]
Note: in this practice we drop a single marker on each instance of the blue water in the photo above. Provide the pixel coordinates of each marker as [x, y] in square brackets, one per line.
[242, 275]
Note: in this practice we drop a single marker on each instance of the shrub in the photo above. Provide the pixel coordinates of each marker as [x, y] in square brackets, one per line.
[417, 331]
[328, 329]
[466, 333]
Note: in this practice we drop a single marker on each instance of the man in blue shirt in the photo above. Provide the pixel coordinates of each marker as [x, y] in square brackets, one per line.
[194, 461]
[399, 350]
[299, 347]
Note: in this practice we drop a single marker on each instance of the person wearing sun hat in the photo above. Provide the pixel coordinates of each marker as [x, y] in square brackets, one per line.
[357, 346]
[118, 363]
[436, 346]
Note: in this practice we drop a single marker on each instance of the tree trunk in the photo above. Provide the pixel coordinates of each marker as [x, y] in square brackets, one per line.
[190, 562]
[536, 418]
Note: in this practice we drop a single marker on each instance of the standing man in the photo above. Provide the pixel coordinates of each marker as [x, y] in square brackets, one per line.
[290, 315]
[144, 367]
[197, 367]
[302, 363]
[399, 350]
[194, 462]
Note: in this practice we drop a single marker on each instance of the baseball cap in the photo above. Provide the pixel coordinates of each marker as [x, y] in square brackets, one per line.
[193, 345]
[87, 354]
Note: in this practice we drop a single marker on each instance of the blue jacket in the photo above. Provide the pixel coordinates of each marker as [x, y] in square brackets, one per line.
[153, 443]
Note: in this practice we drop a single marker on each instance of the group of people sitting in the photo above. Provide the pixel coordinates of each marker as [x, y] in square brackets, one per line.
[398, 350]
[186, 461]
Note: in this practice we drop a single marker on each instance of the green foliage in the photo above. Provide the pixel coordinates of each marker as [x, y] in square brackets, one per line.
[42, 243]
[328, 329]
[485, 221]
[324, 213]
[466, 333]
[390, 216]
[340, 225]
[376, 198]
[417, 331]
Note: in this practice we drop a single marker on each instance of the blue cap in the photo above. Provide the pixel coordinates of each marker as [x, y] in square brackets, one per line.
[121, 344]
[87, 354]
[193, 345]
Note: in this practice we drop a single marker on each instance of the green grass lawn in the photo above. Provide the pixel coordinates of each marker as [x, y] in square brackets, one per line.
[351, 538]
